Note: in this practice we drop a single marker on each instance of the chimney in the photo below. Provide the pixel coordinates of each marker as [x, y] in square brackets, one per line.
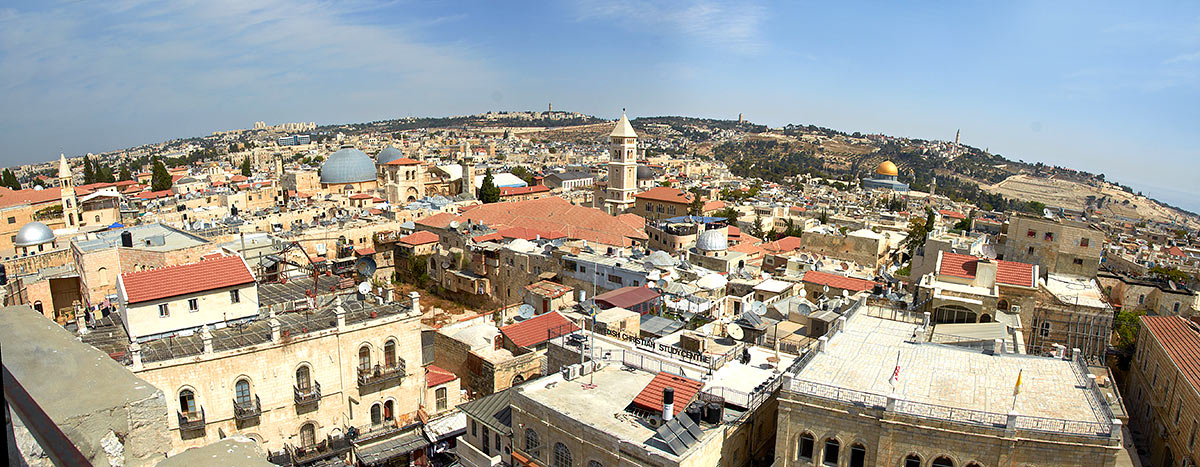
[668, 404]
[985, 273]
[415, 298]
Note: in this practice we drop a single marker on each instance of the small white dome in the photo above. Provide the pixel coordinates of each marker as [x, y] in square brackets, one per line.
[712, 240]
[712, 281]
[33, 234]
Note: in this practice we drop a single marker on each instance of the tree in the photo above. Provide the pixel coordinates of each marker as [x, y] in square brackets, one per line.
[246, 172]
[489, 192]
[125, 175]
[729, 214]
[9, 180]
[104, 174]
[160, 179]
[1035, 207]
[523, 173]
[89, 173]
[696, 207]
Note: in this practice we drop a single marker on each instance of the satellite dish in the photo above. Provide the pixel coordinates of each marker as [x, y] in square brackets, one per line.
[845, 294]
[364, 288]
[453, 224]
[758, 308]
[525, 311]
[734, 331]
[825, 289]
[366, 266]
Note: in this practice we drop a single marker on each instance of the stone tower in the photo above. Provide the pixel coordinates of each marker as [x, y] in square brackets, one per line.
[69, 204]
[468, 169]
[622, 167]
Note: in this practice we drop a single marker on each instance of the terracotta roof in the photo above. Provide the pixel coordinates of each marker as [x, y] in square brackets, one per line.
[419, 238]
[360, 196]
[713, 205]
[522, 190]
[1175, 251]
[536, 330]
[835, 281]
[665, 194]
[785, 244]
[952, 214]
[552, 215]
[1007, 272]
[155, 194]
[238, 178]
[627, 297]
[1181, 340]
[402, 161]
[436, 376]
[440, 220]
[10, 197]
[364, 251]
[171, 281]
[651, 397]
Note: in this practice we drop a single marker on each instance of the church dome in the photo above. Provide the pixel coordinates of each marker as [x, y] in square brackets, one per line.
[34, 234]
[388, 154]
[887, 168]
[712, 240]
[347, 165]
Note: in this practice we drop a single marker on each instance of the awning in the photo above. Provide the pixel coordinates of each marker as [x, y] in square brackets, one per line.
[389, 448]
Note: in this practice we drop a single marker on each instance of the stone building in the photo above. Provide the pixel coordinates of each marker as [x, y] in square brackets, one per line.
[622, 168]
[662, 202]
[873, 392]
[100, 257]
[475, 352]
[861, 246]
[179, 298]
[1163, 391]
[1056, 245]
[402, 180]
[967, 289]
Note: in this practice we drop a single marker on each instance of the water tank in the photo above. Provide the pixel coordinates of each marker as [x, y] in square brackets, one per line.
[127, 239]
[713, 417]
[694, 412]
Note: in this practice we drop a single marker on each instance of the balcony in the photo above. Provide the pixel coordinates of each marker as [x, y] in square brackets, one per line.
[381, 374]
[300, 455]
[189, 421]
[247, 410]
[309, 395]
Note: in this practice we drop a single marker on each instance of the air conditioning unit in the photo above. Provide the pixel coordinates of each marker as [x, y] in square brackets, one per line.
[571, 372]
[1015, 308]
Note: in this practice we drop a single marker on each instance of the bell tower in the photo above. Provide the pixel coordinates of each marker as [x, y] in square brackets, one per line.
[70, 206]
[622, 167]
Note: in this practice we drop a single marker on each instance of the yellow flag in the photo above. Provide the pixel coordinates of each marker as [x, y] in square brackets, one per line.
[1017, 388]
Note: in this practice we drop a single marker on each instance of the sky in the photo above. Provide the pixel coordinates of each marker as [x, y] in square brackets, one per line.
[1107, 87]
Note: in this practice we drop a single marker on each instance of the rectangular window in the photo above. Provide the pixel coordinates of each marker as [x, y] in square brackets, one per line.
[1030, 250]
[194, 304]
[1084, 242]
[234, 297]
[473, 433]
[12, 220]
[1030, 233]
[163, 311]
[1192, 439]
[1078, 261]
[614, 279]
[486, 442]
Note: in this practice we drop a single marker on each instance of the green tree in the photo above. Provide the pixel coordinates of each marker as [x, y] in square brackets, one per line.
[523, 173]
[489, 192]
[729, 214]
[89, 173]
[160, 179]
[696, 207]
[9, 180]
[104, 174]
[125, 175]
[246, 172]
[1035, 207]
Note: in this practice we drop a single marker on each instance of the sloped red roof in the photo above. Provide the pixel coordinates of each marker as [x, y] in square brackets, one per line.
[651, 397]
[952, 214]
[171, 281]
[1007, 272]
[536, 330]
[551, 214]
[522, 190]
[238, 178]
[785, 244]
[1175, 251]
[436, 376]
[402, 161]
[154, 194]
[10, 197]
[627, 297]
[713, 205]
[360, 196]
[665, 194]
[419, 238]
[838, 282]
[1181, 340]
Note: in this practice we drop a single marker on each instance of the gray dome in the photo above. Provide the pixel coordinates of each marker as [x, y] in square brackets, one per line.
[645, 173]
[388, 154]
[347, 165]
[34, 234]
[712, 240]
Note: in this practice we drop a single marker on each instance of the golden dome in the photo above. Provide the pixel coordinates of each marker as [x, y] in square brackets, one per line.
[887, 168]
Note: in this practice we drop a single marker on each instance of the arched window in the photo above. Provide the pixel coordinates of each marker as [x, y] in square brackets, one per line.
[595, 464]
[389, 410]
[1002, 305]
[187, 401]
[942, 462]
[858, 456]
[376, 414]
[241, 391]
[364, 358]
[532, 442]
[308, 435]
[562, 455]
[912, 460]
[303, 378]
[804, 449]
[389, 353]
[832, 448]
[517, 380]
[440, 398]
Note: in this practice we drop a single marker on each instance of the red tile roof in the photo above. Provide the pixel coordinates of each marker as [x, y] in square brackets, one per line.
[665, 194]
[1181, 340]
[536, 330]
[171, 281]
[1175, 251]
[651, 397]
[713, 205]
[835, 281]
[238, 178]
[155, 194]
[360, 196]
[627, 297]
[436, 376]
[364, 251]
[522, 190]
[10, 197]
[952, 214]
[783, 245]
[1007, 272]
[423, 237]
[551, 214]
[402, 161]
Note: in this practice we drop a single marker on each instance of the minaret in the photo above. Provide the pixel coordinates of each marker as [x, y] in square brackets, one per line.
[67, 185]
[468, 169]
[956, 132]
[622, 167]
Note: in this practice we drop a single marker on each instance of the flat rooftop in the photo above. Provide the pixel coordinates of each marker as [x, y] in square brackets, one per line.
[863, 356]
[172, 238]
[1075, 290]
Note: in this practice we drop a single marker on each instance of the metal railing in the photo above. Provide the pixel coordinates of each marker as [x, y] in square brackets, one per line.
[191, 420]
[245, 410]
[326, 448]
[381, 373]
[307, 395]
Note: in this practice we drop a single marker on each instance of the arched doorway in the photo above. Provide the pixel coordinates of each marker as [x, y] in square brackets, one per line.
[953, 314]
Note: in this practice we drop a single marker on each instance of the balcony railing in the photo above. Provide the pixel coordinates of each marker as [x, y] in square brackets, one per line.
[191, 420]
[326, 448]
[381, 373]
[245, 410]
[375, 432]
[308, 395]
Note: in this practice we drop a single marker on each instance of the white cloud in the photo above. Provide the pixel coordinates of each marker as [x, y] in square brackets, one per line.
[1183, 58]
[726, 25]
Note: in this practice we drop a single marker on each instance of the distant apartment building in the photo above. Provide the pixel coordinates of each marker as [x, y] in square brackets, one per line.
[293, 140]
[1060, 246]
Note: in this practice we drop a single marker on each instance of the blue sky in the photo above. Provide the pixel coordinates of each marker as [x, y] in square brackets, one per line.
[1105, 87]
